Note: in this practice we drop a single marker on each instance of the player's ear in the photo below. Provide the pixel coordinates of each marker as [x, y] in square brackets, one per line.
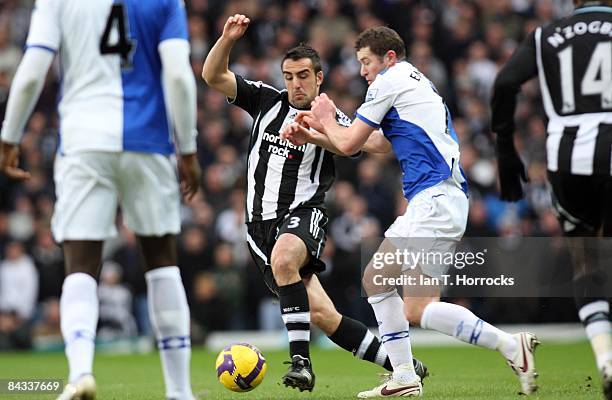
[390, 57]
[319, 78]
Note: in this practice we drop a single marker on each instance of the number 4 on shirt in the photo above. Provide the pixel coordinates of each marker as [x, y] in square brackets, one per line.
[117, 30]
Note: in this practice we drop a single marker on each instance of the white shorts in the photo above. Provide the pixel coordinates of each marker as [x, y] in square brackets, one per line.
[90, 186]
[436, 218]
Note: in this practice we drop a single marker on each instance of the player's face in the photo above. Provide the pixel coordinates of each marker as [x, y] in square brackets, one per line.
[371, 64]
[301, 81]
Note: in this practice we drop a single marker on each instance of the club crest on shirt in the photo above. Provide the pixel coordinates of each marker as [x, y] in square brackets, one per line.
[371, 95]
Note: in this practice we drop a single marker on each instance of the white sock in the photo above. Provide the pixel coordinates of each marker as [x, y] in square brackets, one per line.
[394, 334]
[169, 314]
[596, 317]
[78, 321]
[454, 320]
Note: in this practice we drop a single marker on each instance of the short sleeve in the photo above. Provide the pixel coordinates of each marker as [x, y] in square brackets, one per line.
[378, 102]
[45, 29]
[249, 94]
[175, 23]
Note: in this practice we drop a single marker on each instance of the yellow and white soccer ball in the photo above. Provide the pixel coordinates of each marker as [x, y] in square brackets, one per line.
[240, 367]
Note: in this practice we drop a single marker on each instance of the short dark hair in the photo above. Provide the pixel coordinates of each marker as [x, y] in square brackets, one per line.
[380, 40]
[304, 51]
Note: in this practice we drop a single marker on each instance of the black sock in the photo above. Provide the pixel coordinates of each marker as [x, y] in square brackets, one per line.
[355, 337]
[296, 316]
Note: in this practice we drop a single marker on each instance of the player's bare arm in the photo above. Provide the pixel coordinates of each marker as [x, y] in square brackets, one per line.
[348, 140]
[216, 71]
[298, 135]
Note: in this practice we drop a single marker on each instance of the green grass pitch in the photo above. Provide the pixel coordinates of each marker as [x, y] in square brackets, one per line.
[566, 372]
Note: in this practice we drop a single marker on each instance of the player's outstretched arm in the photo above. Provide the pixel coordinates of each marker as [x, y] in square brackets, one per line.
[216, 71]
[299, 135]
[348, 140]
[25, 90]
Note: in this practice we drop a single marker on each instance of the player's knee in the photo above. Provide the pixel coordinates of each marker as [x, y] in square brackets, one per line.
[283, 265]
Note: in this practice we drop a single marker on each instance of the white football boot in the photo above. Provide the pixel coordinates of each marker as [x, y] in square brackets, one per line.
[523, 363]
[393, 388]
[84, 388]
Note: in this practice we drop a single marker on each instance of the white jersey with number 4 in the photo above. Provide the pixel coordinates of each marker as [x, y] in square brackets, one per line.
[111, 96]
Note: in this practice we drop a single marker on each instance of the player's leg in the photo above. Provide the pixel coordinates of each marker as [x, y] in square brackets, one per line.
[289, 255]
[347, 333]
[149, 198]
[79, 315]
[393, 329]
[169, 313]
[582, 206]
[83, 217]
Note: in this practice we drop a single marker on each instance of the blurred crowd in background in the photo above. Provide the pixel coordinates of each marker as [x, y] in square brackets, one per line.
[459, 44]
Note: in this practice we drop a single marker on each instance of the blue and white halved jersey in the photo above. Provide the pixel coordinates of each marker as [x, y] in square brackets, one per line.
[413, 117]
[111, 96]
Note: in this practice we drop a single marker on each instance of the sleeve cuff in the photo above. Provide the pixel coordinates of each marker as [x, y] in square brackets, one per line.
[40, 46]
[367, 121]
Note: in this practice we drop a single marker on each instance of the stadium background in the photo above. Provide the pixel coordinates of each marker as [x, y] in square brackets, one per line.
[458, 44]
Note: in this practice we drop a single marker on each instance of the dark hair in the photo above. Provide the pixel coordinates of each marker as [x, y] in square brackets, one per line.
[304, 51]
[380, 40]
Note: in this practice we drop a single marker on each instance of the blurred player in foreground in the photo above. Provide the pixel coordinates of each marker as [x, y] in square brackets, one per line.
[285, 209]
[116, 148]
[414, 118]
[572, 58]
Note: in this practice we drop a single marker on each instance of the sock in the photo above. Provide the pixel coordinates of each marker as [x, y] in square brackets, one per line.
[78, 321]
[454, 320]
[394, 333]
[295, 311]
[596, 319]
[169, 315]
[355, 337]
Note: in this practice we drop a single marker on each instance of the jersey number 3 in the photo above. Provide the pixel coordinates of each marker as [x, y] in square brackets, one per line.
[117, 31]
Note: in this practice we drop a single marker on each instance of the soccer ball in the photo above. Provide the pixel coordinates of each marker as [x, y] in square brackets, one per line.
[240, 367]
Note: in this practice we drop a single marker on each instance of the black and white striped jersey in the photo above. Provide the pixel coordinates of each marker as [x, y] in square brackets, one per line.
[280, 175]
[573, 60]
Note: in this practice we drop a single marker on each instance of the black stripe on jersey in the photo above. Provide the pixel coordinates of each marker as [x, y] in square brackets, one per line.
[565, 148]
[315, 163]
[326, 177]
[603, 146]
[254, 133]
[261, 170]
[289, 181]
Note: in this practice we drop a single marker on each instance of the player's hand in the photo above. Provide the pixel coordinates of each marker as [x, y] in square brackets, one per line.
[511, 170]
[307, 120]
[297, 134]
[9, 162]
[323, 109]
[190, 175]
[235, 27]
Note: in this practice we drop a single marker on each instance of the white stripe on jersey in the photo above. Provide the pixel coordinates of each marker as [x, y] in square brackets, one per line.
[254, 156]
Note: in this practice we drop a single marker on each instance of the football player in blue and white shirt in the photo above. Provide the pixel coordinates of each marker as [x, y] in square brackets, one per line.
[127, 89]
[404, 104]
